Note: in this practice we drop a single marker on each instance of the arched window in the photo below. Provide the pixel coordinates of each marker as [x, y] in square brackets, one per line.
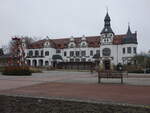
[46, 63]
[42, 53]
[36, 53]
[71, 45]
[30, 53]
[47, 53]
[129, 50]
[47, 44]
[83, 44]
[65, 53]
[134, 49]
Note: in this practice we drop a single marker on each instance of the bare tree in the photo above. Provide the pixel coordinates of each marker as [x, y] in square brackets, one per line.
[5, 49]
[27, 40]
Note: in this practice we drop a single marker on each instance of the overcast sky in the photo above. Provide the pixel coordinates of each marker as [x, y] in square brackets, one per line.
[64, 18]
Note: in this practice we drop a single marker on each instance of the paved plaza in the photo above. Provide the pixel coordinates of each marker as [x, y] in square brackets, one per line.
[79, 85]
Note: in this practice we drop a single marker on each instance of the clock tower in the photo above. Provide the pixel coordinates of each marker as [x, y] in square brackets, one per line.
[107, 33]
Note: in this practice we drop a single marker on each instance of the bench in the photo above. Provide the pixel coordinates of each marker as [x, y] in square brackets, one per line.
[110, 74]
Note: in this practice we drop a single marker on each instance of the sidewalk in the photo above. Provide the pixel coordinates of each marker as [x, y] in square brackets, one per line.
[94, 92]
[79, 85]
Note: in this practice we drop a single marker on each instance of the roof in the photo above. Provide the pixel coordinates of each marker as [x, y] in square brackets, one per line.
[40, 44]
[107, 29]
[93, 41]
[118, 39]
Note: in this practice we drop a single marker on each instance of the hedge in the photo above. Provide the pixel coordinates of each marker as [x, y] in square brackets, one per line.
[17, 70]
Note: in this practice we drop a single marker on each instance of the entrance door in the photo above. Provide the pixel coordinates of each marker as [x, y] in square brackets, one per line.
[107, 64]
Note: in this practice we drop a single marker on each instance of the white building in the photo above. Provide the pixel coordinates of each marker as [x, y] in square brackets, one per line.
[107, 48]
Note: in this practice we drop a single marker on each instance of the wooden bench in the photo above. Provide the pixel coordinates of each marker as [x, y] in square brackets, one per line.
[110, 74]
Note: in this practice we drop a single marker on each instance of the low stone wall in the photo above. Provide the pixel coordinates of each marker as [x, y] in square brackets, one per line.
[18, 104]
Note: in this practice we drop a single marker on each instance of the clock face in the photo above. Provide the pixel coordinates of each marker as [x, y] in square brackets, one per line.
[106, 52]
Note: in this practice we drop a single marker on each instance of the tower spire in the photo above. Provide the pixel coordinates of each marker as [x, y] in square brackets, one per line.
[107, 25]
[107, 9]
[129, 30]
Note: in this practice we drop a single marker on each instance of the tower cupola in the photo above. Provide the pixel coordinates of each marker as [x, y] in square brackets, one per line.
[107, 33]
[107, 26]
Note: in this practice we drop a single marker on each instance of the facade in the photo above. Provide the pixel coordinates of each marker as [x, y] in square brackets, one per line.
[107, 49]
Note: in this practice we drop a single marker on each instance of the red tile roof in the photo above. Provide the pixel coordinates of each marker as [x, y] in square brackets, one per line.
[93, 41]
[118, 39]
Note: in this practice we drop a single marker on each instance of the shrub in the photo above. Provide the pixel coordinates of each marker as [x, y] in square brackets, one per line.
[16, 70]
[50, 68]
[35, 70]
[1, 69]
[136, 71]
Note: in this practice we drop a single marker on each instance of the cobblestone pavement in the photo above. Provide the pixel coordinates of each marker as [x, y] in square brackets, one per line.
[82, 85]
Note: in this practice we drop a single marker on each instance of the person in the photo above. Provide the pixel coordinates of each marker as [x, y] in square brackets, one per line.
[91, 69]
[119, 67]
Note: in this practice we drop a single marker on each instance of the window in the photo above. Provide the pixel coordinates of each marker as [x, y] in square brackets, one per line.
[77, 53]
[104, 40]
[36, 53]
[77, 60]
[71, 60]
[97, 51]
[91, 53]
[65, 53]
[83, 60]
[107, 39]
[89, 60]
[58, 51]
[124, 50]
[71, 45]
[30, 53]
[129, 49]
[42, 53]
[46, 63]
[83, 53]
[134, 49]
[47, 44]
[71, 53]
[83, 44]
[47, 53]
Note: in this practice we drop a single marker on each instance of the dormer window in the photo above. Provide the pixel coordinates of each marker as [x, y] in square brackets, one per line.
[47, 44]
[83, 44]
[83, 38]
[72, 39]
[71, 45]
